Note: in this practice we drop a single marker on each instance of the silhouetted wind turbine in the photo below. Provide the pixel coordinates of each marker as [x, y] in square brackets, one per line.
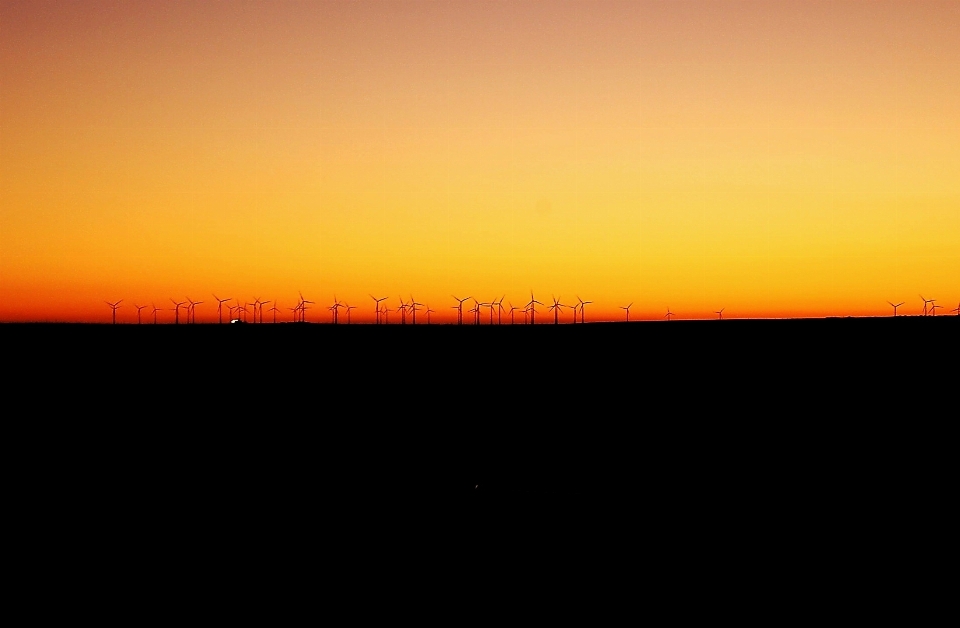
[627, 308]
[176, 320]
[303, 308]
[499, 305]
[532, 308]
[428, 314]
[155, 310]
[192, 310]
[220, 303]
[139, 307]
[274, 309]
[574, 308]
[335, 308]
[349, 307]
[895, 306]
[403, 311]
[556, 310]
[933, 308]
[256, 307]
[475, 310]
[490, 305]
[413, 307]
[242, 308]
[582, 304]
[262, 303]
[720, 313]
[668, 314]
[377, 302]
[956, 309]
[459, 307]
[114, 306]
[512, 308]
[925, 301]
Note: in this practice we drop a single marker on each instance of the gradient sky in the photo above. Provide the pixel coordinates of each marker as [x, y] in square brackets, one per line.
[774, 158]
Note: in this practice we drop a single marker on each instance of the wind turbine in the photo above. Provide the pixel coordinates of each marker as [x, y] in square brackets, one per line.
[274, 309]
[956, 309]
[668, 314]
[413, 307]
[349, 307]
[403, 312]
[377, 301]
[627, 308]
[335, 308]
[499, 305]
[475, 310]
[176, 320]
[895, 306]
[114, 306]
[303, 308]
[512, 308]
[459, 308]
[933, 308]
[428, 314]
[556, 310]
[491, 305]
[256, 306]
[139, 307]
[720, 313]
[262, 303]
[155, 310]
[925, 301]
[582, 303]
[241, 308]
[574, 308]
[532, 308]
[192, 310]
[220, 303]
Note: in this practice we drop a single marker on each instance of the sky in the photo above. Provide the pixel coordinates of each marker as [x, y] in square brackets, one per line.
[772, 158]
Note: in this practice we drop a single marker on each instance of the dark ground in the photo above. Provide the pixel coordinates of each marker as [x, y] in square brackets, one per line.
[683, 453]
[580, 409]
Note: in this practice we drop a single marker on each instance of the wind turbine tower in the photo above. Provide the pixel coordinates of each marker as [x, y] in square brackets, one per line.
[114, 306]
[459, 308]
[176, 319]
[582, 303]
[556, 310]
[377, 302]
[220, 303]
[532, 308]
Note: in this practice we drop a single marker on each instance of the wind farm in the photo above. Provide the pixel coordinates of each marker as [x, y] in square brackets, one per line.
[486, 313]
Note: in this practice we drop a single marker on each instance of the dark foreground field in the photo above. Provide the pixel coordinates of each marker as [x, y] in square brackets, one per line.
[644, 408]
[757, 445]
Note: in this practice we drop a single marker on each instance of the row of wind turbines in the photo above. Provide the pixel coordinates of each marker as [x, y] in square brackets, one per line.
[240, 311]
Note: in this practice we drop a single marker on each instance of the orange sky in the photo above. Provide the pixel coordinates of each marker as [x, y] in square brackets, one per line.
[774, 158]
